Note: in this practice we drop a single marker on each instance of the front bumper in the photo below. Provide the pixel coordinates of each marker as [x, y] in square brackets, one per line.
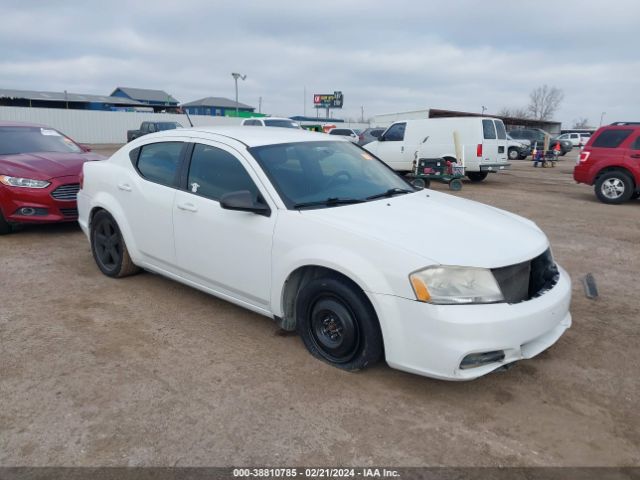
[432, 340]
[494, 167]
[46, 208]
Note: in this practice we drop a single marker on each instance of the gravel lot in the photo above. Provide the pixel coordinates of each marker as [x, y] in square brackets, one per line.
[145, 371]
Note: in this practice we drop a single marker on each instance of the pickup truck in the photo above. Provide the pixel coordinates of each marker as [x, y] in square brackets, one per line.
[150, 127]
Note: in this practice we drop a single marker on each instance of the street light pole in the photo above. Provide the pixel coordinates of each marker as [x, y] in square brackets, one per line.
[483, 109]
[235, 77]
[602, 118]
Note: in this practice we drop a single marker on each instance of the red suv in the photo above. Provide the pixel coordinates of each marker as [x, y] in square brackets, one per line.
[611, 161]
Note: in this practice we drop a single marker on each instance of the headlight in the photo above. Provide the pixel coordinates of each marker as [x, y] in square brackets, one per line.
[444, 285]
[23, 182]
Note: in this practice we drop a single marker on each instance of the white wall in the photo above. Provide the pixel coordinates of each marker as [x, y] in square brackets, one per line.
[89, 126]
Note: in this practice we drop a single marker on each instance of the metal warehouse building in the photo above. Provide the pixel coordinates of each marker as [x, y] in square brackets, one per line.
[218, 107]
[75, 101]
[159, 100]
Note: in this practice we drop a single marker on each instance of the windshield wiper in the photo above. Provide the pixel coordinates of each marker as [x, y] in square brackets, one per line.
[328, 202]
[390, 193]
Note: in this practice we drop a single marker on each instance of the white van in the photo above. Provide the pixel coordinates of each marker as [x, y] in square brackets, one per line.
[483, 141]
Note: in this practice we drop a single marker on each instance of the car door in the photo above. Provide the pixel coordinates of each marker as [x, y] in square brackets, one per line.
[146, 194]
[391, 147]
[489, 141]
[226, 251]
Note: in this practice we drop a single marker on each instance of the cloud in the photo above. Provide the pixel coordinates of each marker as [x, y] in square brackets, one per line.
[385, 57]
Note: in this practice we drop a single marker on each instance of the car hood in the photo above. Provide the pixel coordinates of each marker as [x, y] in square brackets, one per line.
[441, 228]
[45, 165]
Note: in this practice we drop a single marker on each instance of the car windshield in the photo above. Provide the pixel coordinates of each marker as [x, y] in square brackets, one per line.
[281, 123]
[326, 174]
[15, 140]
[168, 125]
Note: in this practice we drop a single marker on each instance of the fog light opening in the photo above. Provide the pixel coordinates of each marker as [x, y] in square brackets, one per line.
[474, 360]
[27, 211]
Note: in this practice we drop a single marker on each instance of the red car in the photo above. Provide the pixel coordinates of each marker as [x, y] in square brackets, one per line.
[611, 161]
[39, 175]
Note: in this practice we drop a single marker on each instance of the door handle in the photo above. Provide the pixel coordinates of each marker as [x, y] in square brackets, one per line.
[124, 187]
[635, 155]
[401, 149]
[188, 207]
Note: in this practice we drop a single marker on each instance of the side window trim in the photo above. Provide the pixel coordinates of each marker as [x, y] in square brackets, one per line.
[176, 178]
[188, 156]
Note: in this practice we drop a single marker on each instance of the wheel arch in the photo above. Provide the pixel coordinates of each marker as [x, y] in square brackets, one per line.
[297, 279]
[617, 168]
[107, 203]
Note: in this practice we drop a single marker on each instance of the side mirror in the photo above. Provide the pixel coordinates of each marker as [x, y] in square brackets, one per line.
[243, 201]
[381, 137]
[84, 147]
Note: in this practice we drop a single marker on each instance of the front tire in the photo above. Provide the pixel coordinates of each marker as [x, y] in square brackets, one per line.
[337, 323]
[477, 176]
[614, 187]
[5, 227]
[513, 154]
[108, 248]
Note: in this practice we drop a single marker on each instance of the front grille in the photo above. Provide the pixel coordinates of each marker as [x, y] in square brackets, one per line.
[66, 192]
[527, 280]
[69, 212]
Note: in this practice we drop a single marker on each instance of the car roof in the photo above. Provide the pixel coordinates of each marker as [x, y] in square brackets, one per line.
[254, 137]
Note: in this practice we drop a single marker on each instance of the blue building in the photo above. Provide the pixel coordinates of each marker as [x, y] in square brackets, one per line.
[217, 107]
[157, 99]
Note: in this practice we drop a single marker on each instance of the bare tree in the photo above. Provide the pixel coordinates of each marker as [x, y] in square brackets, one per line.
[544, 101]
[581, 123]
[514, 112]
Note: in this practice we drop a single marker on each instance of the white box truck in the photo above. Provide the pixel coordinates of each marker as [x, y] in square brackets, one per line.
[482, 139]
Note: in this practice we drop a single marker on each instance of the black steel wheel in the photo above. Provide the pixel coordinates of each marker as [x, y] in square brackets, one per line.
[338, 324]
[108, 247]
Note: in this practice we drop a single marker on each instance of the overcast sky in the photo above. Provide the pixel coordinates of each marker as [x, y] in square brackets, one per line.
[385, 56]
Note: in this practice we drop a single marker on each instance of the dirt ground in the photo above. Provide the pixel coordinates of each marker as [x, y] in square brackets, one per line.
[145, 371]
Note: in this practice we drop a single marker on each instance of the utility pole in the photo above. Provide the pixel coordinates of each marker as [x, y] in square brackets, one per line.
[602, 118]
[235, 77]
[259, 104]
[362, 114]
[304, 101]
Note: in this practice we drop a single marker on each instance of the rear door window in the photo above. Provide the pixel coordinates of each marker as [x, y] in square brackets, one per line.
[158, 162]
[502, 133]
[611, 138]
[395, 132]
[636, 144]
[488, 130]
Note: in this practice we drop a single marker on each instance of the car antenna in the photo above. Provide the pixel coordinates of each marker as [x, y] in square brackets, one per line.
[186, 112]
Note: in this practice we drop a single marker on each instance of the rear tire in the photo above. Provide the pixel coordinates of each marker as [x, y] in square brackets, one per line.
[477, 176]
[108, 248]
[614, 187]
[338, 324]
[5, 227]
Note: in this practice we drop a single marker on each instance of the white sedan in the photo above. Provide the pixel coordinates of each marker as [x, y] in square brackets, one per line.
[319, 235]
